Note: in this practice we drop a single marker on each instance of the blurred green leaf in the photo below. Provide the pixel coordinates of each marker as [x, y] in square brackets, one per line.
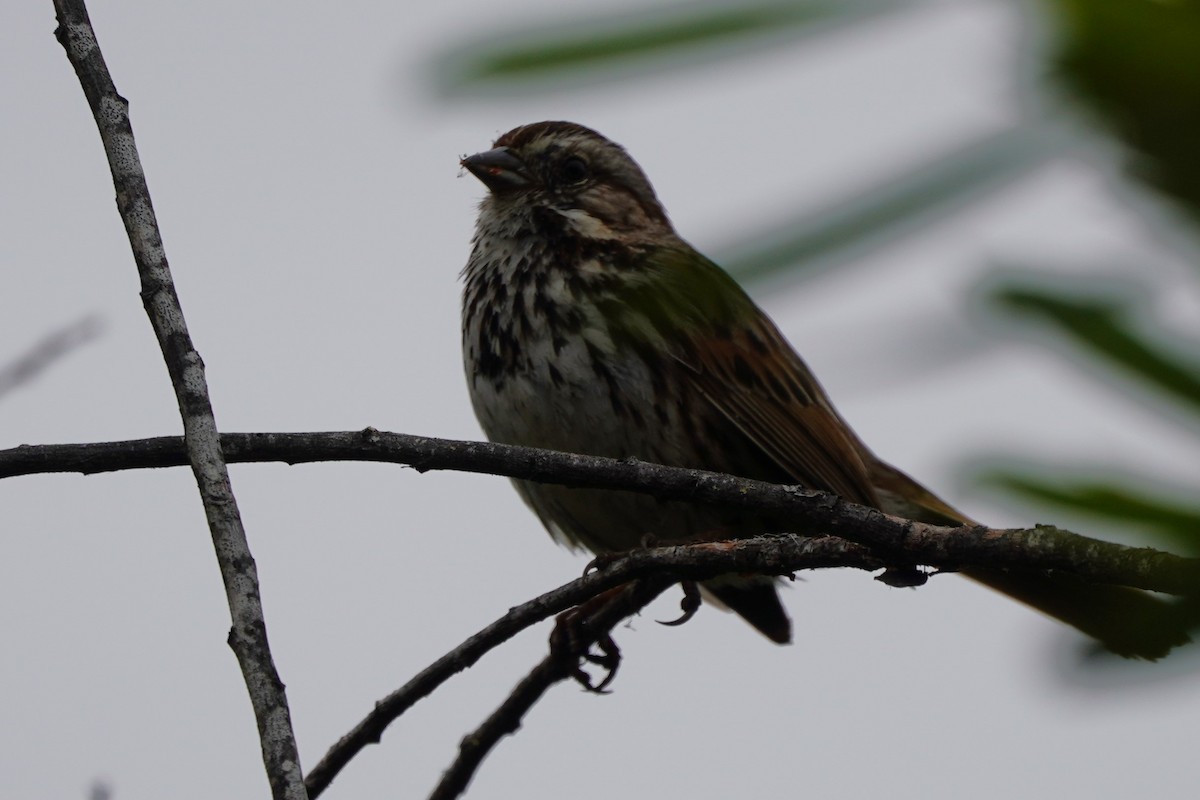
[1105, 327]
[839, 232]
[640, 36]
[1175, 524]
[1137, 63]
[591, 47]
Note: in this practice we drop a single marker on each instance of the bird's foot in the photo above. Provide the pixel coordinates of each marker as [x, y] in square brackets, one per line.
[572, 640]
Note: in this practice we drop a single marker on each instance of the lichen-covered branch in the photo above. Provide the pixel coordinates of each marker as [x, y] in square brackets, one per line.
[248, 635]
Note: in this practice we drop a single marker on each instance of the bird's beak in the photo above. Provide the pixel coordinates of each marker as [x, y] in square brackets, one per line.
[499, 169]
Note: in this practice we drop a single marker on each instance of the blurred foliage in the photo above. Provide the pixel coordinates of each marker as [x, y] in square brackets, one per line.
[660, 36]
[1106, 328]
[1137, 65]
[1169, 523]
[894, 207]
[1131, 65]
[51, 349]
[641, 35]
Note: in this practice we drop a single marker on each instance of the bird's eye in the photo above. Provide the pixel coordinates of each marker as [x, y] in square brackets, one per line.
[574, 170]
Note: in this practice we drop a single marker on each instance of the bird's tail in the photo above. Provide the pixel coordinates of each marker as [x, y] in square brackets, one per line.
[1129, 622]
[755, 600]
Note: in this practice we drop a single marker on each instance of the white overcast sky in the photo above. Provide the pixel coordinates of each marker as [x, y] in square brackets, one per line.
[304, 173]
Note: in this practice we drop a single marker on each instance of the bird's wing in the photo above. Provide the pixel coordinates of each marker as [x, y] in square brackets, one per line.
[740, 363]
[771, 397]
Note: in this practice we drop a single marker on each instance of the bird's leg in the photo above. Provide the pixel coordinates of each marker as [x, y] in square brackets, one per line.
[690, 604]
[691, 592]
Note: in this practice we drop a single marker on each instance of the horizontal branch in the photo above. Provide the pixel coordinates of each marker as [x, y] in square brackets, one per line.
[803, 511]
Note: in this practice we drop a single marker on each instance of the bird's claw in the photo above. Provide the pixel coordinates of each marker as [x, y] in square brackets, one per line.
[600, 562]
[690, 604]
[608, 659]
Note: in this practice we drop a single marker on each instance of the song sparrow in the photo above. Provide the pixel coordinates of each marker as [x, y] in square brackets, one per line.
[590, 326]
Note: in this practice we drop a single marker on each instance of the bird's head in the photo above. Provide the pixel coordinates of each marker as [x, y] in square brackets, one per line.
[569, 175]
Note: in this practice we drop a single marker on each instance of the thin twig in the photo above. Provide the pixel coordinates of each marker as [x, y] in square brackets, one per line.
[779, 555]
[1021, 549]
[46, 351]
[248, 636]
[555, 667]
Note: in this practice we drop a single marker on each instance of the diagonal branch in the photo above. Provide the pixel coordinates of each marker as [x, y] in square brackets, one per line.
[775, 555]
[903, 541]
[248, 635]
[557, 666]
